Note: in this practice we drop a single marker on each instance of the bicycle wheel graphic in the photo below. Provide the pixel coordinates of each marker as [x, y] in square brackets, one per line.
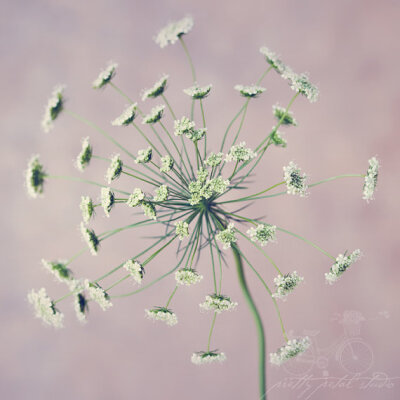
[301, 364]
[355, 356]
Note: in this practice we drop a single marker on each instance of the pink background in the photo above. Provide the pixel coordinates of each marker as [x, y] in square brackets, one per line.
[350, 50]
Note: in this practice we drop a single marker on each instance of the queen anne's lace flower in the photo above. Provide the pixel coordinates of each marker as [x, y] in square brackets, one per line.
[87, 208]
[81, 307]
[115, 168]
[227, 236]
[155, 115]
[90, 238]
[149, 210]
[157, 89]
[283, 116]
[84, 157]
[182, 229]
[341, 264]
[162, 314]
[107, 200]
[204, 188]
[218, 303]
[183, 126]
[45, 308]
[273, 60]
[58, 269]
[54, 107]
[277, 139]
[249, 91]
[135, 198]
[173, 31]
[187, 276]
[144, 156]
[98, 294]
[166, 164]
[262, 233]
[239, 152]
[291, 349]
[206, 357]
[295, 181]
[371, 179]
[35, 177]
[161, 193]
[197, 93]
[214, 159]
[286, 284]
[127, 117]
[196, 134]
[300, 83]
[105, 76]
[135, 269]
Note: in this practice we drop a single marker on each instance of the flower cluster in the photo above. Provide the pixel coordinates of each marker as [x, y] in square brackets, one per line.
[371, 179]
[286, 283]
[35, 177]
[157, 89]
[187, 276]
[295, 181]
[127, 117]
[240, 152]
[155, 115]
[162, 314]
[173, 31]
[341, 264]
[135, 269]
[197, 93]
[84, 157]
[54, 107]
[115, 169]
[218, 303]
[105, 76]
[291, 349]
[227, 236]
[262, 233]
[206, 357]
[249, 91]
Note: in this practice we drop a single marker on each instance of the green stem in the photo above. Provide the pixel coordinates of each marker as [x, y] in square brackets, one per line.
[204, 126]
[189, 58]
[307, 241]
[170, 297]
[123, 94]
[211, 331]
[257, 320]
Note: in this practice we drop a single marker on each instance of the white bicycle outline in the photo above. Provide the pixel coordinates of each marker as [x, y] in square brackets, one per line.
[353, 353]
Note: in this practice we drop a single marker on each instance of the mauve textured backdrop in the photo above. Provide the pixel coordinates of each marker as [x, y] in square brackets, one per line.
[350, 49]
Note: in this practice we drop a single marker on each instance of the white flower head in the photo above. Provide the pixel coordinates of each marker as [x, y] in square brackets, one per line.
[127, 117]
[98, 294]
[144, 156]
[207, 357]
[162, 314]
[173, 31]
[300, 83]
[58, 269]
[273, 60]
[182, 229]
[197, 93]
[107, 200]
[286, 284]
[214, 159]
[135, 198]
[87, 208]
[218, 303]
[135, 269]
[161, 193]
[283, 116]
[183, 126]
[115, 168]
[35, 177]
[105, 76]
[291, 349]
[371, 179]
[84, 157]
[90, 238]
[227, 236]
[81, 307]
[249, 91]
[239, 152]
[218, 185]
[296, 182]
[166, 164]
[196, 134]
[340, 266]
[155, 115]
[149, 210]
[157, 89]
[54, 107]
[45, 308]
[187, 277]
[277, 139]
[262, 233]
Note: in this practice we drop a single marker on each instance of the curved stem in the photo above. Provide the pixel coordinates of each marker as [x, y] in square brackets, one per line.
[257, 320]
[189, 58]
